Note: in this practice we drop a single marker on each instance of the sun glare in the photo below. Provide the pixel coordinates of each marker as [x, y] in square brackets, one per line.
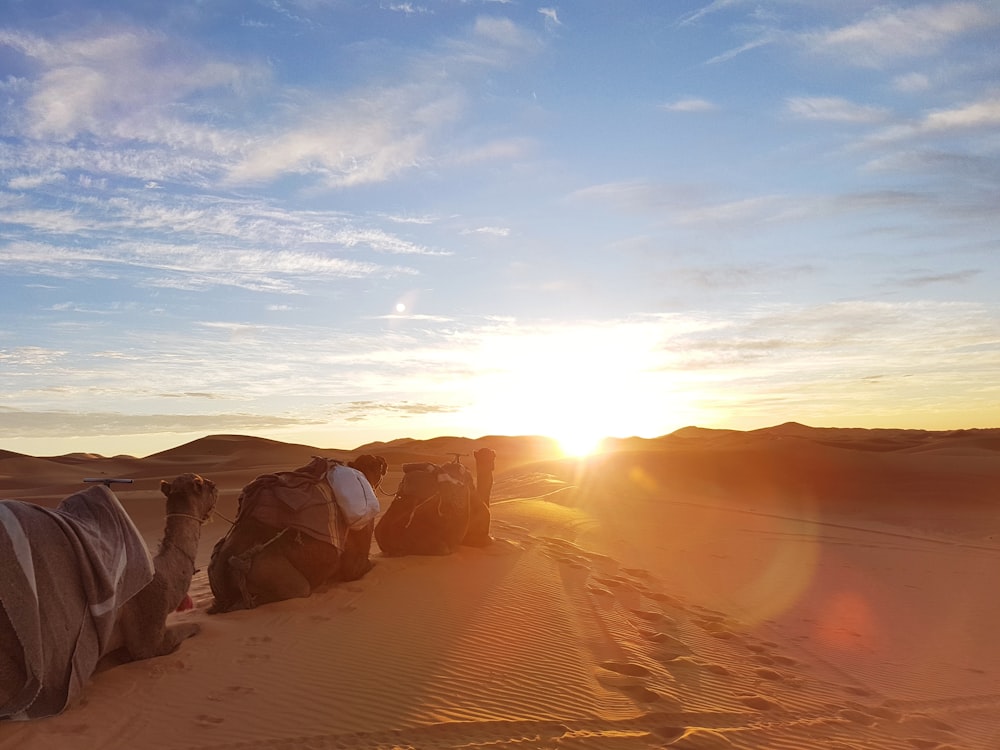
[577, 385]
[579, 444]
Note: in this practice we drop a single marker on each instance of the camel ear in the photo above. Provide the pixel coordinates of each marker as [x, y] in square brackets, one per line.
[165, 487]
[383, 464]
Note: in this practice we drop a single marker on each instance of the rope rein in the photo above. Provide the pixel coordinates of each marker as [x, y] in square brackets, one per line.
[215, 512]
[201, 521]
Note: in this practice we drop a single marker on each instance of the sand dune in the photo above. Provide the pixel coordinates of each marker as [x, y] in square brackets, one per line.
[781, 588]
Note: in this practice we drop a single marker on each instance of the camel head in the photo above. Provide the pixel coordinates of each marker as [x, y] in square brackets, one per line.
[190, 494]
[373, 467]
[485, 459]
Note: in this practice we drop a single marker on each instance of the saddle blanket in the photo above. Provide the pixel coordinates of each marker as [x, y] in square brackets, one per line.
[66, 572]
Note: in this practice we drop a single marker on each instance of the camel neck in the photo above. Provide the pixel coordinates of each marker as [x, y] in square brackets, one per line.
[182, 531]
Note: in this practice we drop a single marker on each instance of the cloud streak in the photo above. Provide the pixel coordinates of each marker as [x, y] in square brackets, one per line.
[888, 34]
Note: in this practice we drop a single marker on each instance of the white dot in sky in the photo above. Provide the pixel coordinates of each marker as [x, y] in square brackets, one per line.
[400, 307]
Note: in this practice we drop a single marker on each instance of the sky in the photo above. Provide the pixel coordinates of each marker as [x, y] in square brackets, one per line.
[339, 221]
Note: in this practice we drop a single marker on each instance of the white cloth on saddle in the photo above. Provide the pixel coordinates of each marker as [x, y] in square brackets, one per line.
[354, 494]
[66, 572]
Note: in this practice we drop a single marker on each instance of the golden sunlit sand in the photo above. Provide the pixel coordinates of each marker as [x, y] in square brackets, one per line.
[783, 588]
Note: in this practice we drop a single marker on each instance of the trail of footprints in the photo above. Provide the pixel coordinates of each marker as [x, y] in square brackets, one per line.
[725, 688]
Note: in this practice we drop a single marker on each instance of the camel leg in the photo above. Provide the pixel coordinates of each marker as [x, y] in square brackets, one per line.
[354, 561]
[174, 634]
[272, 578]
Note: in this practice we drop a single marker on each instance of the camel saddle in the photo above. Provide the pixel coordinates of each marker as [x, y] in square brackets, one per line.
[300, 500]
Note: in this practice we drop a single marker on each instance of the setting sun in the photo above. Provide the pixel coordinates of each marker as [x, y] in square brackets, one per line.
[579, 385]
[579, 443]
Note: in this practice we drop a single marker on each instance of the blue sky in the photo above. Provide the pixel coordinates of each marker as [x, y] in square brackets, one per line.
[333, 222]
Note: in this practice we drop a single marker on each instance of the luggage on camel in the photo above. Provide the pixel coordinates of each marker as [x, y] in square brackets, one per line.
[291, 535]
[354, 495]
[429, 514]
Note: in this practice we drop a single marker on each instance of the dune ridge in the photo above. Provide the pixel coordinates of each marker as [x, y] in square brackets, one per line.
[783, 588]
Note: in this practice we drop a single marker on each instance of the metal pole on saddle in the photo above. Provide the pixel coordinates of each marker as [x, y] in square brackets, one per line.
[107, 481]
[457, 457]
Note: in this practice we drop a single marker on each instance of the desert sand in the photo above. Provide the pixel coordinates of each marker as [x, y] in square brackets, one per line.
[791, 587]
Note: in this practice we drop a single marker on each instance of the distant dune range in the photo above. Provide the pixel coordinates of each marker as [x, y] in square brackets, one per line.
[787, 587]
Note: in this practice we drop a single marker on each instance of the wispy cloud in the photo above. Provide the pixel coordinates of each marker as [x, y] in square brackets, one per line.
[889, 33]
[408, 8]
[374, 138]
[735, 277]
[918, 280]
[713, 7]
[692, 206]
[551, 16]
[191, 111]
[761, 41]
[490, 231]
[982, 115]
[689, 105]
[834, 109]
[126, 84]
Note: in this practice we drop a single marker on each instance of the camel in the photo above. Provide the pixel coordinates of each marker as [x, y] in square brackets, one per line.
[438, 508]
[79, 587]
[271, 555]
[142, 627]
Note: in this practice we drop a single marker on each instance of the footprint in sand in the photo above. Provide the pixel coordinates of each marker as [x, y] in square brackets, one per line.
[930, 722]
[205, 720]
[626, 668]
[637, 572]
[650, 616]
[724, 635]
[230, 692]
[665, 599]
[610, 582]
[640, 693]
[857, 717]
[785, 661]
[922, 744]
[717, 627]
[256, 639]
[669, 732]
[572, 562]
[165, 667]
[688, 665]
[665, 643]
[769, 674]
